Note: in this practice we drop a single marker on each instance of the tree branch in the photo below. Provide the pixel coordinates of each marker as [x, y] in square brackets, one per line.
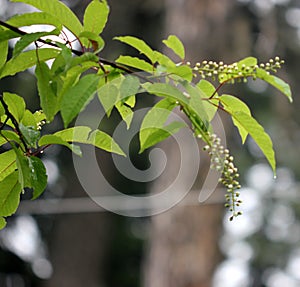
[75, 52]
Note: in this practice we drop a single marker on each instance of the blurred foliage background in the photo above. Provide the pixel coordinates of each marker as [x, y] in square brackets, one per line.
[191, 245]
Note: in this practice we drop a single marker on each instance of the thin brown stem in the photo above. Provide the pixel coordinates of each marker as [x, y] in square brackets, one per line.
[14, 122]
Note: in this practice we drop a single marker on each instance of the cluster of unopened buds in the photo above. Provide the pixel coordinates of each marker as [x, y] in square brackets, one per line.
[222, 161]
[224, 72]
[41, 123]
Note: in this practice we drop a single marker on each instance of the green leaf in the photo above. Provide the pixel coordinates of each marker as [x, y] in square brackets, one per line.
[53, 139]
[29, 119]
[130, 101]
[47, 96]
[95, 16]
[233, 104]
[248, 62]
[207, 90]
[62, 60]
[2, 223]
[152, 129]
[125, 112]
[71, 78]
[2, 111]
[276, 82]
[16, 105]
[30, 134]
[176, 45]
[129, 87]
[4, 51]
[23, 168]
[96, 41]
[77, 97]
[258, 134]
[38, 176]
[166, 90]
[7, 164]
[74, 134]
[104, 141]
[156, 135]
[108, 96]
[195, 104]
[34, 18]
[135, 63]
[27, 39]
[184, 72]
[9, 195]
[7, 35]
[164, 60]
[26, 60]
[87, 57]
[139, 45]
[58, 10]
[82, 134]
[9, 135]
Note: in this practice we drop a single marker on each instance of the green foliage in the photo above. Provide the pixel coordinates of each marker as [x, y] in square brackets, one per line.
[66, 86]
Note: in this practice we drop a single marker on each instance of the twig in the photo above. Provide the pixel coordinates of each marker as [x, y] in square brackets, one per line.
[15, 123]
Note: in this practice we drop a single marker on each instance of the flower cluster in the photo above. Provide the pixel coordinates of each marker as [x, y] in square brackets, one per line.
[222, 161]
[224, 72]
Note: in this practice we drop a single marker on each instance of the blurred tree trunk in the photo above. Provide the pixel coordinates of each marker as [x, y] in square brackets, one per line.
[183, 250]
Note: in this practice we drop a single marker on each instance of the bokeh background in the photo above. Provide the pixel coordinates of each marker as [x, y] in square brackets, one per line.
[65, 240]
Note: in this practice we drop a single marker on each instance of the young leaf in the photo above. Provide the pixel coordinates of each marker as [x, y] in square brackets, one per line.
[48, 98]
[207, 90]
[164, 60]
[4, 51]
[10, 136]
[129, 87]
[7, 164]
[75, 134]
[34, 18]
[108, 96]
[16, 105]
[38, 176]
[71, 78]
[53, 139]
[156, 135]
[195, 104]
[26, 60]
[104, 141]
[152, 129]
[23, 168]
[95, 16]
[166, 90]
[29, 119]
[76, 98]
[135, 63]
[176, 45]
[96, 41]
[276, 82]
[10, 194]
[30, 134]
[82, 134]
[184, 72]
[258, 134]
[233, 104]
[2, 222]
[58, 10]
[7, 35]
[125, 112]
[27, 39]
[248, 62]
[139, 45]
